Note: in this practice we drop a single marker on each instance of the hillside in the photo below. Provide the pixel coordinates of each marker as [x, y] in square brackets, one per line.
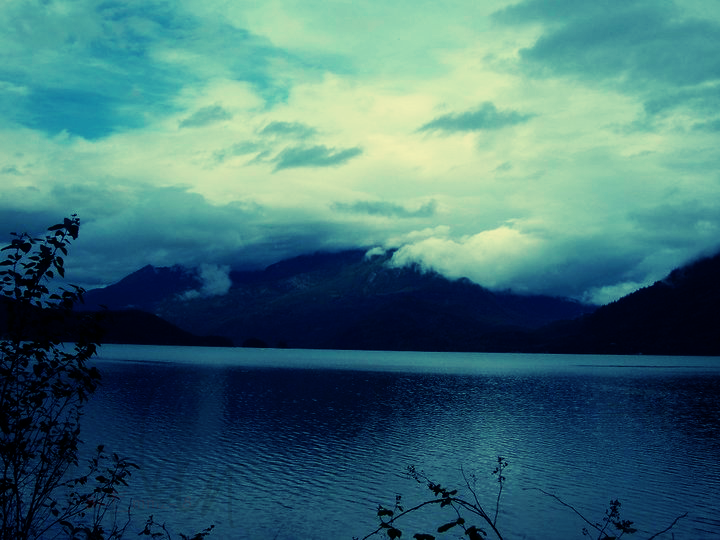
[341, 301]
[121, 326]
[677, 315]
[347, 301]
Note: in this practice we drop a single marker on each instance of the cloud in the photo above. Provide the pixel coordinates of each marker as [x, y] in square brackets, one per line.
[125, 227]
[10, 169]
[239, 149]
[288, 129]
[92, 69]
[314, 156]
[604, 295]
[660, 50]
[704, 100]
[386, 209]
[712, 126]
[375, 252]
[532, 11]
[592, 134]
[593, 269]
[494, 259]
[93, 72]
[206, 116]
[485, 117]
[215, 281]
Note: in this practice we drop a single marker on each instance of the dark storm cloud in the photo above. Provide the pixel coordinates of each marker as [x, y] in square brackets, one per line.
[386, 209]
[702, 99]
[95, 81]
[485, 117]
[712, 126]
[640, 45]
[692, 223]
[206, 116]
[314, 156]
[643, 46]
[288, 129]
[123, 64]
[88, 114]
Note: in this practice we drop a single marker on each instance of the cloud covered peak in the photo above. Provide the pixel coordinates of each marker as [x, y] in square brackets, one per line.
[215, 281]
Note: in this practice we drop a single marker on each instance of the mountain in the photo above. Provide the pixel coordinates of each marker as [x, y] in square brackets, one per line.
[142, 328]
[338, 300]
[143, 289]
[677, 315]
[123, 326]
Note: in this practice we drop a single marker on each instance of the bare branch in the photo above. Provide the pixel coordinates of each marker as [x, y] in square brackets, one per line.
[669, 527]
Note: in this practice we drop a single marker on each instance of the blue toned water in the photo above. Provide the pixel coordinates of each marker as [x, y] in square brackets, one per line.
[291, 444]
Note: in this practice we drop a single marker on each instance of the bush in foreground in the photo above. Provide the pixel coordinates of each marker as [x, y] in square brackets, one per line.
[44, 386]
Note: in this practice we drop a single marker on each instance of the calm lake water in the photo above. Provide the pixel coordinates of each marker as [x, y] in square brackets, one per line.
[287, 444]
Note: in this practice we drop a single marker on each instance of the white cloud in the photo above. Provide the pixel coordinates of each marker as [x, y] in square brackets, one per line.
[610, 293]
[498, 259]
[215, 281]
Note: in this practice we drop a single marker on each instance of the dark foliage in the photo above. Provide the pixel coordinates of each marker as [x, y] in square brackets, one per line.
[44, 385]
[468, 518]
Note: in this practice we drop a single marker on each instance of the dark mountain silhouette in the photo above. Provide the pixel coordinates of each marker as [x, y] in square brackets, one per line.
[124, 326]
[347, 301]
[143, 289]
[677, 315]
[142, 328]
[338, 300]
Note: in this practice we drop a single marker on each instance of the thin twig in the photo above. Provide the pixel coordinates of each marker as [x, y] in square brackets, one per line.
[670, 527]
[391, 521]
[474, 494]
[570, 506]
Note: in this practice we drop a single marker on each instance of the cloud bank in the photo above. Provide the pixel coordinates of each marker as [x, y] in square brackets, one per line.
[557, 146]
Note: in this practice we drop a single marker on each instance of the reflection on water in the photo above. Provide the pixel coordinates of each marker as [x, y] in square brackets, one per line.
[295, 453]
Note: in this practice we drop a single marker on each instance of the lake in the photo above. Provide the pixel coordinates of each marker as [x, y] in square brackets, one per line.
[295, 444]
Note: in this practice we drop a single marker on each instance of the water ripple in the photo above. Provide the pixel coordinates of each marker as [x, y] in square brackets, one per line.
[307, 454]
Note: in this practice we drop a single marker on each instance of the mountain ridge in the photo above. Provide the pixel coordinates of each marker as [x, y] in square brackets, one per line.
[338, 300]
[345, 300]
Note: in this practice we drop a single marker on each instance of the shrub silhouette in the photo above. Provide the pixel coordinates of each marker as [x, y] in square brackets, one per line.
[44, 385]
[470, 518]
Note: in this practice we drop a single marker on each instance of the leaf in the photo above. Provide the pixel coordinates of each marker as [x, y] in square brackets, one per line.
[474, 533]
[384, 512]
[447, 526]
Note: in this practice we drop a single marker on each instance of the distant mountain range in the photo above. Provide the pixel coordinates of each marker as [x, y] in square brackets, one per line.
[346, 300]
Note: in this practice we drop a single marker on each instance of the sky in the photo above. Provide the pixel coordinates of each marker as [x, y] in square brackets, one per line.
[565, 147]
